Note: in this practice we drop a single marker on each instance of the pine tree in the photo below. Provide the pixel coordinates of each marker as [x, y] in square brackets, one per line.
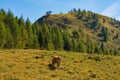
[40, 36]
[92, 46]
[35, 28]
[67, 42]
[102, 47]
[80, 47]
[74, 45]
[35, 41]
[17, 35]
[2, 35]
[45, 32]
[48, 13]
[29, 33]
[105, 34]
[9, 39]
[9, 20]
[37, 31]
[47, 38]
[23, 32]
[2, 15]
[98, 49]
[58, 38]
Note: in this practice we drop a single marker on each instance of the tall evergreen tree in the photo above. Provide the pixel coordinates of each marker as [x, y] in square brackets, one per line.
[35, 28]
[46, 38]
[23, 32]
[105, 34]
[9, 20]
[2, 34]
[2, 15]
[74, 45]
[58, 39]
[9, 39]
[80, 47]
[29, 33]
[16, 33]
[67, 41]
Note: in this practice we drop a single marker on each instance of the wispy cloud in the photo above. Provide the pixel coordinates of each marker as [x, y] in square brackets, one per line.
[113, 10]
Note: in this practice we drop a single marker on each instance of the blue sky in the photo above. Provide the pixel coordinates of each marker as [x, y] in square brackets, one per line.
[34, 9]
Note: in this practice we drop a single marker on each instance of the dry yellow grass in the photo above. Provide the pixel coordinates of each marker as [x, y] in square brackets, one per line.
[34, 65]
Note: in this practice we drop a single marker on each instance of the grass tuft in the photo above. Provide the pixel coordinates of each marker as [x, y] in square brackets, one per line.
[36, 65]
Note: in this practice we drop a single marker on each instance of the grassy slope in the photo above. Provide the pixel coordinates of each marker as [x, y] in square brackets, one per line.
[33, 65]
[71, 22]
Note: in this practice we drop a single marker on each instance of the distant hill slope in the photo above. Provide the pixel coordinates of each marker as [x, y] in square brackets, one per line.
[34, 65]
[96, 27]
[78, 31]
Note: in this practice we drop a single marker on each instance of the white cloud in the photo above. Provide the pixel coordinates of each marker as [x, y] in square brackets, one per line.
[113, 10]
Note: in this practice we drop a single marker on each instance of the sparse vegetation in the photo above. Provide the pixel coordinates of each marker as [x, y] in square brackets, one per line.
[87, 31]
[31, 65]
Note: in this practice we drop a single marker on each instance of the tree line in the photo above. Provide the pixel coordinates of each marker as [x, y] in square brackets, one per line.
[17, 33]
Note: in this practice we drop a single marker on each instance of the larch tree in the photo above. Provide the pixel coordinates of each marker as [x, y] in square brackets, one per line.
[23, 32]
[29, 33]
[2, 35]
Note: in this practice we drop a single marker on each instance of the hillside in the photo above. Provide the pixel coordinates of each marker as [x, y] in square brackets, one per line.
[31, 64]
[91, 26]
[78, 31]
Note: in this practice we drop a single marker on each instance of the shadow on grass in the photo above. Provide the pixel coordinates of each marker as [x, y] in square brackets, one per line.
[51, 67]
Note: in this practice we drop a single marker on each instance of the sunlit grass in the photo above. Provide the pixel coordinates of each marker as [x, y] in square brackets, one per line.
[33, 65]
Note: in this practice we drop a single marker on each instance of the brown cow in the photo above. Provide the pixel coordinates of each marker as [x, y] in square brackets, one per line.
[56, 60]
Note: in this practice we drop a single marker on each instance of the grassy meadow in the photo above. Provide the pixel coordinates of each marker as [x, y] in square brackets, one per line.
[34, 65]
